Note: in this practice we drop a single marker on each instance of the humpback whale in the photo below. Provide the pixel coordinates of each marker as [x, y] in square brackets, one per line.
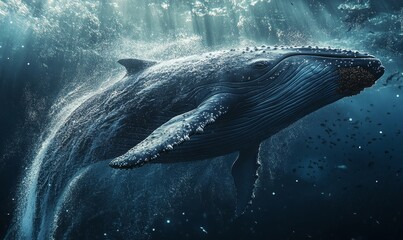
[192, 108]
[209, 105]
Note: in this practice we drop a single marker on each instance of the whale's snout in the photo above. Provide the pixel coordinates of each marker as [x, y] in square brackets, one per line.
[376, 68]
[360, 73]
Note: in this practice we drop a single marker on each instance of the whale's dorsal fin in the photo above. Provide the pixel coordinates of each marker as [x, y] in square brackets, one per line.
[133, 65]
[177, 130]
[245, 174]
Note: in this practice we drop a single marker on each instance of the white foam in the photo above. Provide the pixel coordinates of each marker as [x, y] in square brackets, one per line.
[27, 209]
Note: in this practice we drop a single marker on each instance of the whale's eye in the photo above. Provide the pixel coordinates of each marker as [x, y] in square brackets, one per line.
[261, 64]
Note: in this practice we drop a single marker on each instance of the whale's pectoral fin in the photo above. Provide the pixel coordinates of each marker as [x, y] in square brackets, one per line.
[175, 131]
[244, 171]
[135, 65]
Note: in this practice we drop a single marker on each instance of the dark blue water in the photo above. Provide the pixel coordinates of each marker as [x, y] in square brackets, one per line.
[336, 174]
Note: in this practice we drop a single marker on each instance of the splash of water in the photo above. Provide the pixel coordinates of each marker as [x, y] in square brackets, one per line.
[28, 200]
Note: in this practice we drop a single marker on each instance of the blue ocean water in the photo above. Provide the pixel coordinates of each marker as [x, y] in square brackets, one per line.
[335, 174]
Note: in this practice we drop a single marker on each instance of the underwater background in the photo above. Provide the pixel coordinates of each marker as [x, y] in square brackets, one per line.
[335, 174]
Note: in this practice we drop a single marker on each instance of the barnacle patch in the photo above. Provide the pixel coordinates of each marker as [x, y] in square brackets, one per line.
[354, 79]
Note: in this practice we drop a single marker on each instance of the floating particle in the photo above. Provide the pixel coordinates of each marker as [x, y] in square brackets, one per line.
[204, 230]
[350, 119]
[273, 193]
[168, 221]
[342, 167]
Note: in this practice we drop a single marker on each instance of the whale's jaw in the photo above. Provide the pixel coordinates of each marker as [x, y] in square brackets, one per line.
[355, 79]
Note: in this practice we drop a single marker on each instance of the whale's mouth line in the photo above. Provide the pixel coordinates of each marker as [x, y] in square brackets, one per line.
[325, 56]
[332, 54]
[328, 56]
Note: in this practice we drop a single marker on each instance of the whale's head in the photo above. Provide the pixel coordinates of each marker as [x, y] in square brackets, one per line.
[349, 72]
[284, 84]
